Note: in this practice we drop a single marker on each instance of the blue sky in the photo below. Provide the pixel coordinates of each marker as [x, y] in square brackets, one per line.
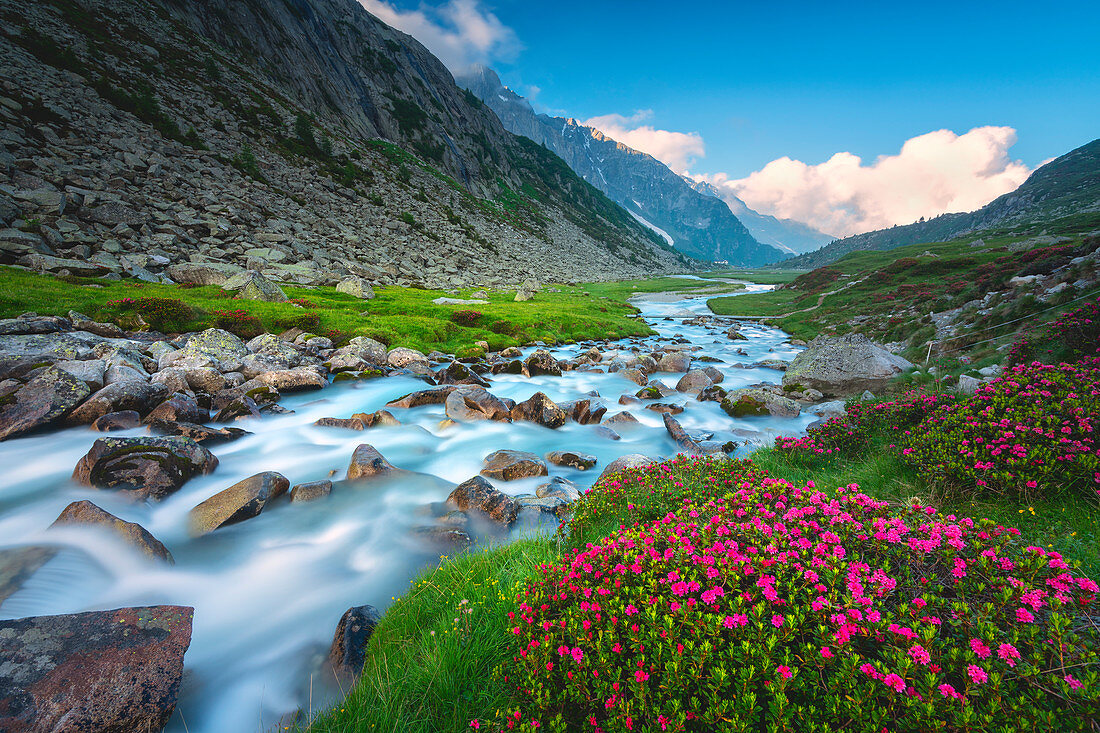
[758, 81]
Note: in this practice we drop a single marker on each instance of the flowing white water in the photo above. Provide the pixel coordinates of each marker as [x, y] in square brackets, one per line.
[268, 592]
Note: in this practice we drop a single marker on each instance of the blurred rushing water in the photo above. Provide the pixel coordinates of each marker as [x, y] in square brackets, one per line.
[268, 592]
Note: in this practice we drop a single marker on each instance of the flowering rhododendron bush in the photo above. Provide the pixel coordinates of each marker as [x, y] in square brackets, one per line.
[848, 436]
[780, 607]
[1074, 334]
[1029, 432]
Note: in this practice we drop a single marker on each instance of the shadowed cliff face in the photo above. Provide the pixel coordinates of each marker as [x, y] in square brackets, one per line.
[303, 138]
[699, 225]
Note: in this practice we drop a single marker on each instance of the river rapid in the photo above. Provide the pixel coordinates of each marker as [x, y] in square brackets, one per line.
[268, 592]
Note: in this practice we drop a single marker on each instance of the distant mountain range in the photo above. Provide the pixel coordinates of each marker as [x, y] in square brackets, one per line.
[786, 234]
[696, 224]
[1061, 196]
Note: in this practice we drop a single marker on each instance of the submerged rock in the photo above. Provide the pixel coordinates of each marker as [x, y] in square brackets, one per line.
[97, 671]
[310, 491]
[573, 459]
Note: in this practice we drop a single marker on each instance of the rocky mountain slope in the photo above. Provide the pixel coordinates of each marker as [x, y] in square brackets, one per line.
[695, 224]
[304, 138]
[786, 234]
[1062, 196]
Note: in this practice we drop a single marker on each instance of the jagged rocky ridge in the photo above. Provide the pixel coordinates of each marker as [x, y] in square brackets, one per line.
[304, 138]
[1067, 187]
[697, 225]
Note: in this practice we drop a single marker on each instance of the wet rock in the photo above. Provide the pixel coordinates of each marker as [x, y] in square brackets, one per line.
[112, 421]
[434, 396]
[143, 467]
[349, 644]
[477, 494]
[677, 433]
[367, 463]
[292, 380]
[514, 366]
[509, 465]
[622, 418]
[251, 285]
[468, 405]
[243, 500]
[559, 488]
[715, 374]
[734, 334]
[178, 408]
[86, 513]
[241, 407]
[755, 401]
[776, 364]
[573, 459]
[458, 373]
[99, 671]
[674, 361]
[202, 434]
[311, 491]
[442, 539]
[347, 423]
[141, 397]
[542, 363]
[844, 365]
[584, 411]
[694, 382]
[41, 402]
[714, 393]
[539, 409]
[665, 408]
[17, 565]
[635, 375]
[377, 419]
[605, 432]
[632, 460]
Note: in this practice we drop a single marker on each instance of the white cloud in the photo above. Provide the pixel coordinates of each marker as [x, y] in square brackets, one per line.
[934, 173]
[677, 150]
[459, 32]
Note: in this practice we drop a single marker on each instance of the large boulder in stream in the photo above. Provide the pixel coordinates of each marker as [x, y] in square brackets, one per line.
[844, 365]
[470, 404]
[347, 654]
[145, 468]
[46, 398]
[542, 363]
[478, 495]
[754, 401]
[243, 500]
[367, 463]
[101, 671]
[510, 465]
[85, 513]
[539, 409]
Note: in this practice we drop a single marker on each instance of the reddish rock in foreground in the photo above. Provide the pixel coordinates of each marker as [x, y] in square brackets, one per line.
[98, 671]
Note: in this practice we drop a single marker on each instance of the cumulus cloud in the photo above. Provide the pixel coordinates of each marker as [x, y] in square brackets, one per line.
[677, 150]
[460, 33]
[934, 173]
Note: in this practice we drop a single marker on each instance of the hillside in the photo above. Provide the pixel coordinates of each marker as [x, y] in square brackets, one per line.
[786, 234]
[694, 224]
[305, 138]
[1061, 197]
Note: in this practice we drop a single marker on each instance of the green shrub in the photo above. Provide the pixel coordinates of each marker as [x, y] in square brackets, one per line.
[238, 322]
[778, 607]
[307, 321]
[466, 317]
[162, 314]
